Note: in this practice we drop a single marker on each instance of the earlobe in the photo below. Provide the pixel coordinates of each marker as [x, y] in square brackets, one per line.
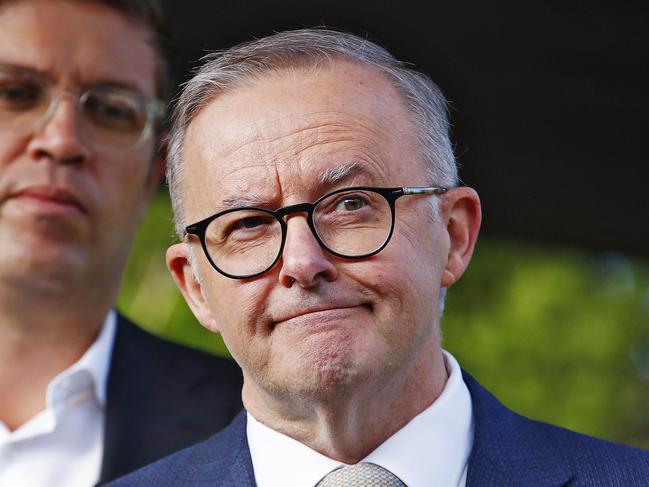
[462, 215]
[448, 278]
[178, 263]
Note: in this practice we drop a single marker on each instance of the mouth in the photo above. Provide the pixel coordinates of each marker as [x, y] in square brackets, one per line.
[48, 199]
[322, 315]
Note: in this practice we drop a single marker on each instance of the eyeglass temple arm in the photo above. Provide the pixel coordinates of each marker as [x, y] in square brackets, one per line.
[424, 190]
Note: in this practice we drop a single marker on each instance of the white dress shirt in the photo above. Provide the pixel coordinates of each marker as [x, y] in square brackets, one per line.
[63, 444]
[432, 449]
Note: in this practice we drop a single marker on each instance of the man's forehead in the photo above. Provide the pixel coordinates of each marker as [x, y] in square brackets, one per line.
[293, 110]
[321, 153]
[84, 42]
[297, 133]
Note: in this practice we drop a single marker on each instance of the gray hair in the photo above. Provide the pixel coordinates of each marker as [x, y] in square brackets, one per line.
[311, 48]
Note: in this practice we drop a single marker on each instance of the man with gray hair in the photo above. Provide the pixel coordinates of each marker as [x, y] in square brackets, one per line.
[317, 199]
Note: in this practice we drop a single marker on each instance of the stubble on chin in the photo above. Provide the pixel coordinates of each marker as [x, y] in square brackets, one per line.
[316, 368]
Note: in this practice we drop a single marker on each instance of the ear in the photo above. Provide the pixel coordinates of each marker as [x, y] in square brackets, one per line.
[462, 215]
[191, 288]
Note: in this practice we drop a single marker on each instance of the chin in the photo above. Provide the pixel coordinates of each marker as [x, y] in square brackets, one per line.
[42, 271]
[322, 373]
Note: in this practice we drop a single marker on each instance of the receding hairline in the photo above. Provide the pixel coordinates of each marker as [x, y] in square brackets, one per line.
[311, 48]
[299, 64]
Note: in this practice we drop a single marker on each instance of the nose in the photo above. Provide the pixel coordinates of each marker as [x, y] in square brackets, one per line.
[304, 261]
[57, 137]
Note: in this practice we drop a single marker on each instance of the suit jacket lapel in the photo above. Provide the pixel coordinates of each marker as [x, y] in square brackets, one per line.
[509, 449]
[147, 408]
[223, 460]
[241, 473]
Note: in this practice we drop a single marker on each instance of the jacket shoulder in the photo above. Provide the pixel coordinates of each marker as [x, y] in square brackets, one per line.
[595, 461]
[162, 397]
[222, 459]
[133, 344]
[510, 449]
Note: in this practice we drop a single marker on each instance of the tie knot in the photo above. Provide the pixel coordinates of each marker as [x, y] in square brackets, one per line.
[361, 475]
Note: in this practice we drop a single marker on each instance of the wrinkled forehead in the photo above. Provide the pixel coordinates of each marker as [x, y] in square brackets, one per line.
[291, 125]
[307, 105]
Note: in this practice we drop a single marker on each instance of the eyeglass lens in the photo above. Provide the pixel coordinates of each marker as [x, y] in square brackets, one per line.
[109, 116]
[352, 223]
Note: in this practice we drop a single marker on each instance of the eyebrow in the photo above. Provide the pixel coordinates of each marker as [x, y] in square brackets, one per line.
[25, 70]
[246, 201]
[120, 85]
[41, 73]
[330, 177]
[338, 174]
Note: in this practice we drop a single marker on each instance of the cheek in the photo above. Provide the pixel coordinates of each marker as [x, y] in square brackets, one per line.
[238, 309]
[9, 150]
[405, 278]
[124, 189]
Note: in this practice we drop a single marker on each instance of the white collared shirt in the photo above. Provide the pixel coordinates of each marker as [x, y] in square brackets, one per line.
[432, 449]
[63, 444]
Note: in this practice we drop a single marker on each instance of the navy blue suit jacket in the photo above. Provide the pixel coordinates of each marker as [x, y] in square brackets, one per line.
[508, 450]
[162, 397]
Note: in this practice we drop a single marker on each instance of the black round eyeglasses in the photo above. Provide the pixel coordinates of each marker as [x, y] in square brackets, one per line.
[351, 223]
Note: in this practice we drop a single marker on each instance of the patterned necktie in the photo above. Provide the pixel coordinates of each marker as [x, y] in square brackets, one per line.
[361, 475]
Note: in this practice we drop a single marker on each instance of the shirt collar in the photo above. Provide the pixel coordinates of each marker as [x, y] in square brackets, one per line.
[433, 447]
[89, 372]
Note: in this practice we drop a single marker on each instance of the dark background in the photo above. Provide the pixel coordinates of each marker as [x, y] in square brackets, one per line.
[549, 99]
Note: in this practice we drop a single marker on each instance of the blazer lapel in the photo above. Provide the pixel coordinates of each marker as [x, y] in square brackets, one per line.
[241, 473]
[223, 460]
[509, 449]
[149, 410]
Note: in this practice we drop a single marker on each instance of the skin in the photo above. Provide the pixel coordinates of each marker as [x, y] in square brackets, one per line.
[68, 210]
[338, 354]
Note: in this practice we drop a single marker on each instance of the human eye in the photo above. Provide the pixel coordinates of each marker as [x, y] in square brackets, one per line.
[245, 225]
[114, 110]
[250, 223]
[348, 208]
[351, 203]
[18, 94]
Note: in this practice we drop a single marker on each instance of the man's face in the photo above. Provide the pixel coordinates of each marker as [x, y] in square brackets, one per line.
[315, 323]
[69, 208]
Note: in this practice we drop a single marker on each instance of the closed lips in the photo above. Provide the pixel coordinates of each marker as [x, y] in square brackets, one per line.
[324, 310]
[50, 194]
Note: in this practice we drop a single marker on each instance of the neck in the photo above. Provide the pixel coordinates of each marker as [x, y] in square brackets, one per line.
[350, 424]
[40, 336]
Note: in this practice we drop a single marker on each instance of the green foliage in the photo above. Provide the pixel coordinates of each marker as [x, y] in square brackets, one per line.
[551, 331]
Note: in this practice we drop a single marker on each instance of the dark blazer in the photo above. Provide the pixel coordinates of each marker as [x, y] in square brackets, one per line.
[162, 397]
[508, 450]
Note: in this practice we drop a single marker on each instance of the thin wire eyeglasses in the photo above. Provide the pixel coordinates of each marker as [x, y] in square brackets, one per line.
[352, 223]
[112, 117]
